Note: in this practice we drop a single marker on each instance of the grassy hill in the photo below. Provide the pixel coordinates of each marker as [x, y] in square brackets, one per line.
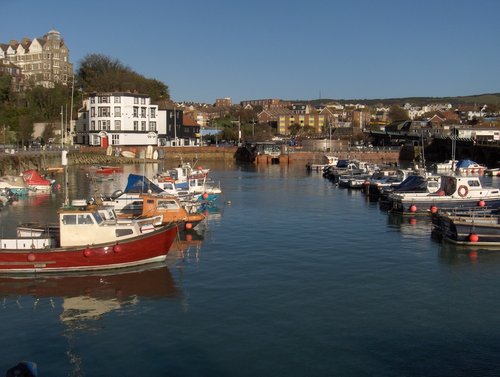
[479, 99]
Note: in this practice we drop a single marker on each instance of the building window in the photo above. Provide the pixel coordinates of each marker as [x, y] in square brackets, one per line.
[152, 126]
[143, 101]
[117, 99]
[136, 125]
[92, 125]
[104, 111]
[103, 99]
[143, 112]
[115, 139]
[92, 99]
[143, 125]
[136, 112]
[153, 112]
[136, 100]
[92, 111]
[118, 111]
[118, 125]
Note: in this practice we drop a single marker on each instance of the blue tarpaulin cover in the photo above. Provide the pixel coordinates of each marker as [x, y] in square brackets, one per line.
[140, 184]
[465, 163]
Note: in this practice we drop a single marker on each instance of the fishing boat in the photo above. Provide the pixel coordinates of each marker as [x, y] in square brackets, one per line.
[86, 238]
[469, 167]
[445, 167]
[468, 228]
[413, 184]
[168, 207]
[130, 201]
[454, 192]
[36, 182]
[327, 161]
[109, 169]
[15, 184]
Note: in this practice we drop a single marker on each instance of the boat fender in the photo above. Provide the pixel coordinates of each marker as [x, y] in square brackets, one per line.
[87, 252]
[463, 191]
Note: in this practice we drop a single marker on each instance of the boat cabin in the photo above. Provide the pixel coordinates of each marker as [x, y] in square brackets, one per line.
[463, 187]
[96, 226]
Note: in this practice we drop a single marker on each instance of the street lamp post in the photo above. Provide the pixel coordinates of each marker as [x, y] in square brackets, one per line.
[239, 132]
[175, 126]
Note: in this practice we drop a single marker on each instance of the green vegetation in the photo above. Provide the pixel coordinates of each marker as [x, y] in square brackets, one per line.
[99, 73]
[488, 99]
[18, 111]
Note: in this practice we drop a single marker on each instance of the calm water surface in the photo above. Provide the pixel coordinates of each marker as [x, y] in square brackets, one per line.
[290, 276]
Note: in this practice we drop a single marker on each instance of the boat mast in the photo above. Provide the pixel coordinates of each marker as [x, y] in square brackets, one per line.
[453, 148]
[64, 162]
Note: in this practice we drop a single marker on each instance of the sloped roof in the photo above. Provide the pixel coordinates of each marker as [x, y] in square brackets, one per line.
[188, 121]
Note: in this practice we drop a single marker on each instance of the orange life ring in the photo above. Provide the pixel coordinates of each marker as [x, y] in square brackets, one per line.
[462, 191]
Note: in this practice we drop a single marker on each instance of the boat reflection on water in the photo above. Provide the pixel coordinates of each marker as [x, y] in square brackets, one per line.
[187, 245]
[89, 296]
[409, 226]
[456, 254]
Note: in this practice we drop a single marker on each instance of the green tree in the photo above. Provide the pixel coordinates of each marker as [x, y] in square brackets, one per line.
[99, 73]
[5, 81]
[397, 113]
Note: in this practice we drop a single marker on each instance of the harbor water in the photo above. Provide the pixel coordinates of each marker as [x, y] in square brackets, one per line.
[289, 275]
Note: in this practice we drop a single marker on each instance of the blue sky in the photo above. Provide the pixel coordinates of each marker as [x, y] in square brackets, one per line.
[205, 50]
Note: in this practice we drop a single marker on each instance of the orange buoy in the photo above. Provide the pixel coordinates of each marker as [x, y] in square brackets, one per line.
[117, 248]
[189, 226]
[189, 237]
[481, 203]
[31, 257]
[205, 196]
[434, 209]
[473, 237]
[413, 208]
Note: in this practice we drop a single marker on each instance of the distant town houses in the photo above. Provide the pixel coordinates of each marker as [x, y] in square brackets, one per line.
[126, 119]
[41, 61]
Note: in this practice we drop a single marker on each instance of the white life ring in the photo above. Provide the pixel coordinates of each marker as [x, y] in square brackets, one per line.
[462, 191]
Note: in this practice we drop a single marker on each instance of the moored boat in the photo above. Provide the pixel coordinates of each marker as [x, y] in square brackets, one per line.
[168, 207]
[128, 154]
[87, 238]
[15, 184]
[327, 161]
[36, 182]
[454, 192]
[109, 169]
[469, 167]
[468, 228]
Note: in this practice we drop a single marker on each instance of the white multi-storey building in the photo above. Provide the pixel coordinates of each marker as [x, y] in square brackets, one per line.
[119, 119]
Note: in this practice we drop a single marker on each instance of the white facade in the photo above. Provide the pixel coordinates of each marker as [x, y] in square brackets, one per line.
[119, 119]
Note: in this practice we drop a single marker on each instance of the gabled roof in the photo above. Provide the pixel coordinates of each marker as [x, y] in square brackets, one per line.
[188, 121]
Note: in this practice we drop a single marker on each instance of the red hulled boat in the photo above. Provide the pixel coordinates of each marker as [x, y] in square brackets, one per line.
[86, 239]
